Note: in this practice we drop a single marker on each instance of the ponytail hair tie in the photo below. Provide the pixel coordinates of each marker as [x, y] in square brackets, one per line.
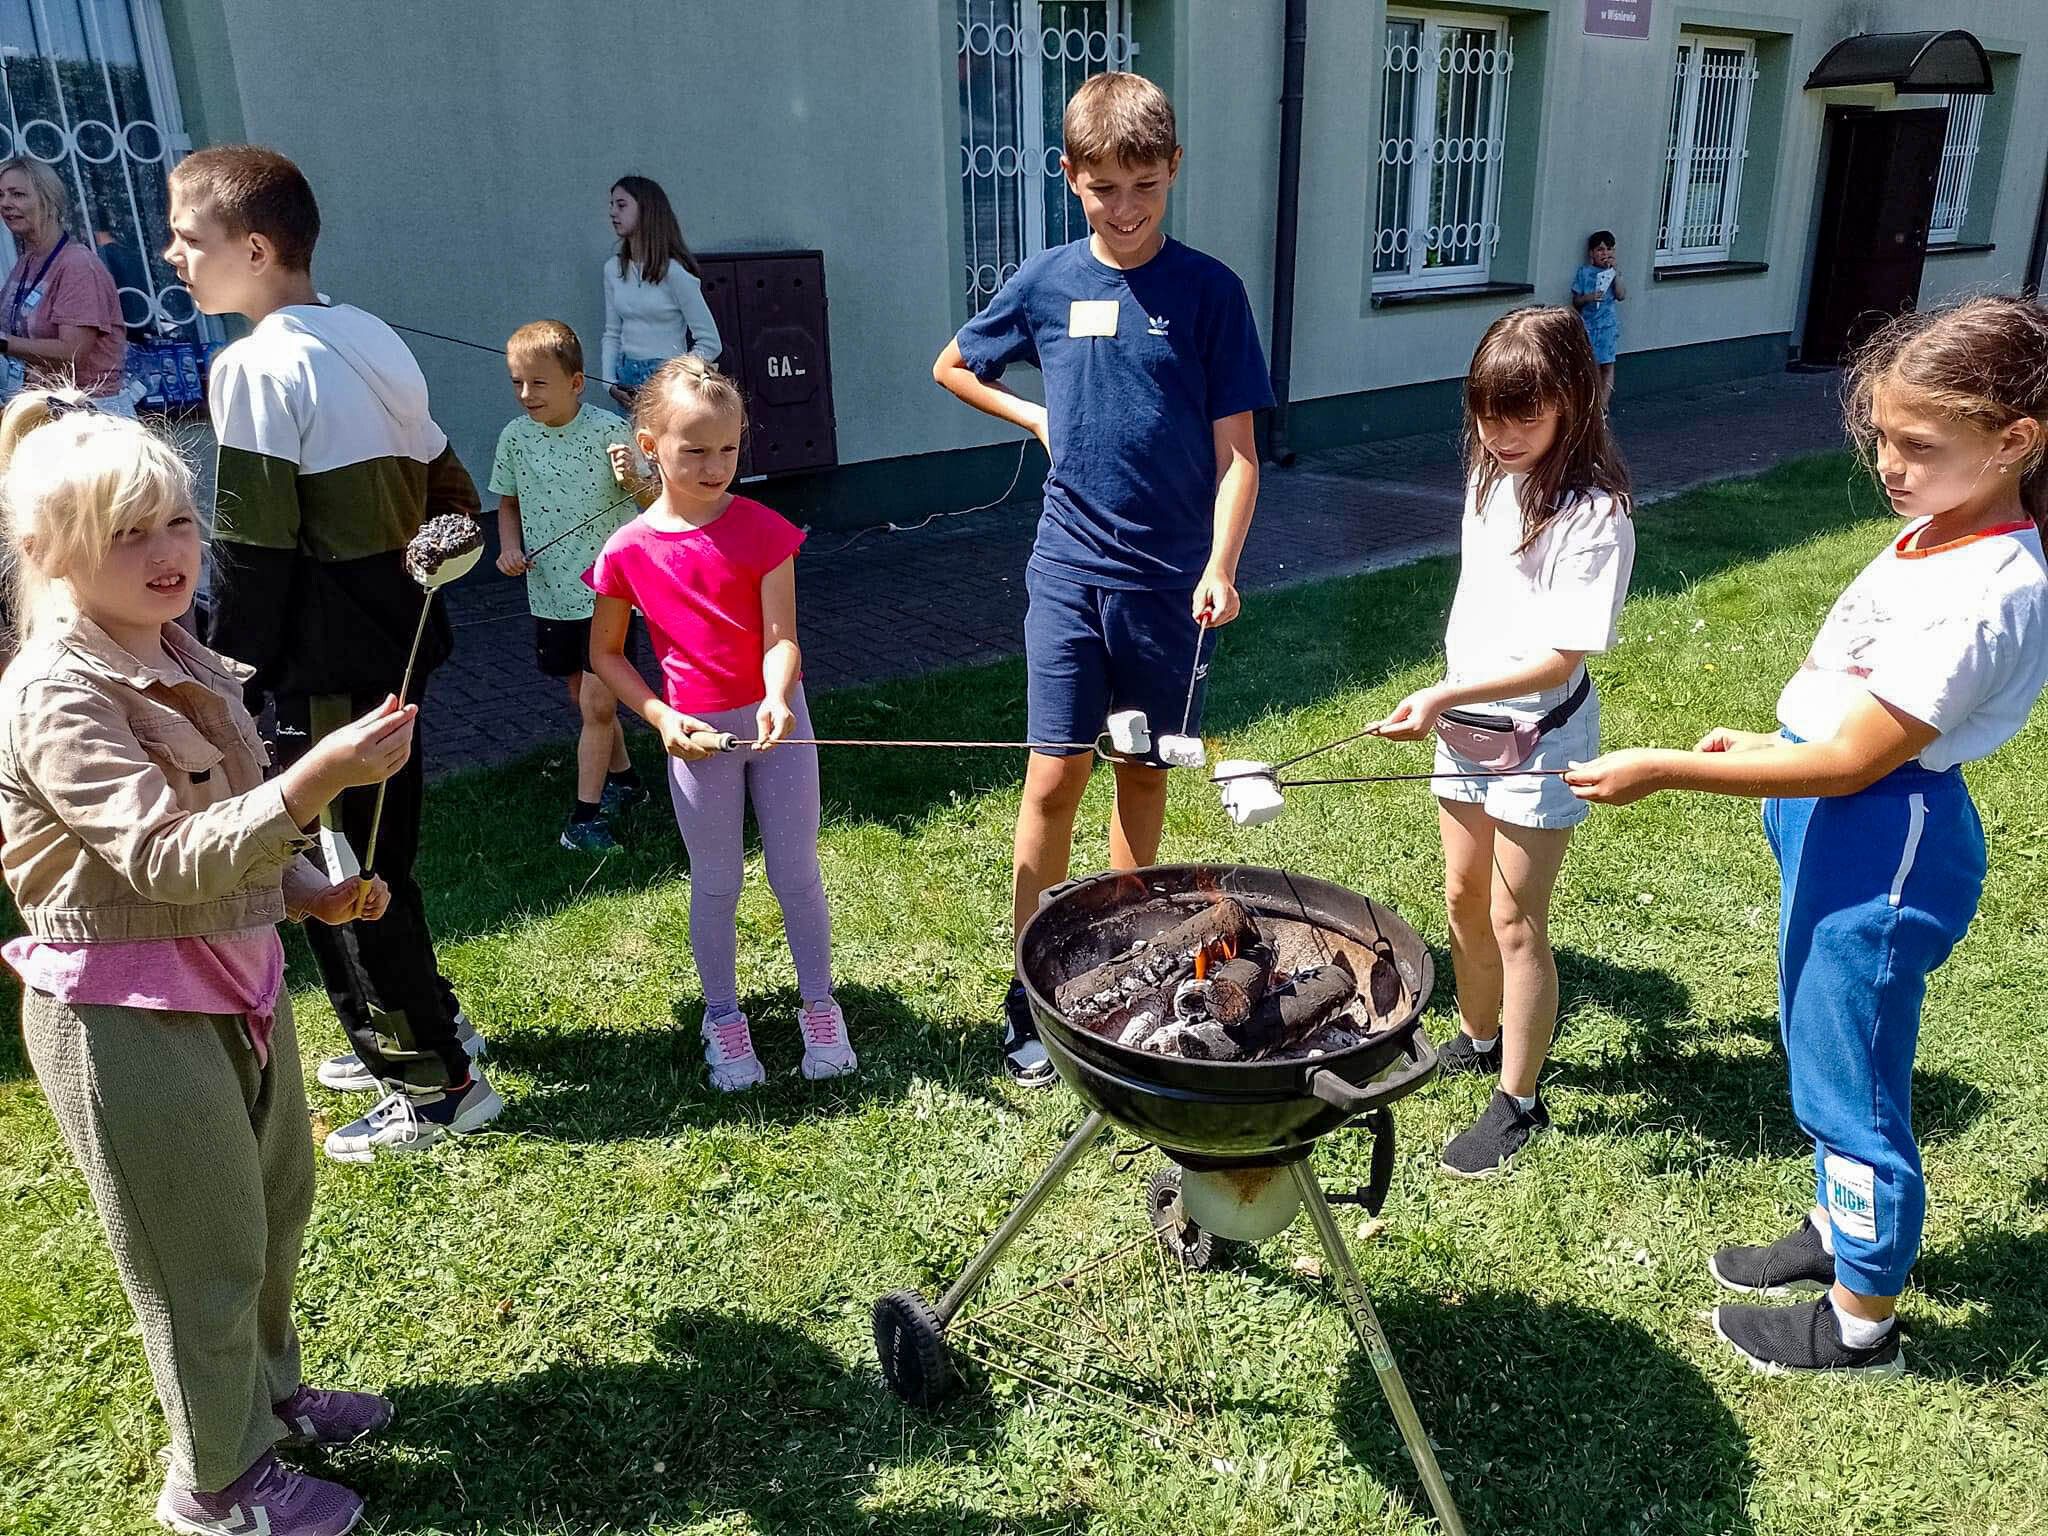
[61, 406]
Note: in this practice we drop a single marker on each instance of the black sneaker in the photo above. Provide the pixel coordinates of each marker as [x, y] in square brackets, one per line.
[1775, 1340]
[1024, 1055]
[1795, 1263]
[1460, 1055]
[1490, 1143]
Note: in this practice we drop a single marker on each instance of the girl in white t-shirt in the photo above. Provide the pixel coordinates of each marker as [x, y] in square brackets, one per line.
[654, 305]
[1934, 656]
[1547, 547]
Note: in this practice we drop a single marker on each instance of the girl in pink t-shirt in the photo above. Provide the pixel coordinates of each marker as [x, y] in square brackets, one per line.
[715, 575]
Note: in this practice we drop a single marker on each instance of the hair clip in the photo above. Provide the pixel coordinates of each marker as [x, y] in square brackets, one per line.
[62, 406]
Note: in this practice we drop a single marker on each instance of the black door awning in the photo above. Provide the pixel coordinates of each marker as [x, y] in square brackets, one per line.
[1934, 63]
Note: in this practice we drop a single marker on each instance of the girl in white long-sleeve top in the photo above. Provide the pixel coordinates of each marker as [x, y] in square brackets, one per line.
[654, 305]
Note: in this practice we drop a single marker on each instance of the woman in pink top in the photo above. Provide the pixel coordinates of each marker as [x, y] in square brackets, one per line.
[60, 314]
[715, 574]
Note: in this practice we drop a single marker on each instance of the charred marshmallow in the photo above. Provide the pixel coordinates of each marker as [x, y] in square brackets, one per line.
[1130, 733]
[1251, 791]
[1182, 751]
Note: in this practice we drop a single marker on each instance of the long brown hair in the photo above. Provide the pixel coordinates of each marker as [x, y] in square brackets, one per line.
[1531, 360]
[1983, 361]
[657, 237]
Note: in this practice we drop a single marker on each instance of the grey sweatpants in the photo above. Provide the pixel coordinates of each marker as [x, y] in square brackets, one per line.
[201, 1165]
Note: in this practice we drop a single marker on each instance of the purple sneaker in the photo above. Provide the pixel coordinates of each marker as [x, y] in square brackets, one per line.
[270, 1497]
[312, 1416]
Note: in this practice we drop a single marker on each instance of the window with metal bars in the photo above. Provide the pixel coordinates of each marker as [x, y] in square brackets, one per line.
[1019, 62]
[1709, 139]
[1443, 143]
[1958, 163]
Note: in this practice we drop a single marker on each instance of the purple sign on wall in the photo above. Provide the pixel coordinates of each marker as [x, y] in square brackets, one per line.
[1617, 18]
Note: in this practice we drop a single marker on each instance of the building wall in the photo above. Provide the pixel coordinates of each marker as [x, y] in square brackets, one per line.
[463, 152]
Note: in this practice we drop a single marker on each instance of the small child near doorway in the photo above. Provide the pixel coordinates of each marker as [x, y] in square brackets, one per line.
[1596, 288]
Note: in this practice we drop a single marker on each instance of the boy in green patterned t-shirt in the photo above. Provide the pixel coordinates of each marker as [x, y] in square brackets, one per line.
[558, 497]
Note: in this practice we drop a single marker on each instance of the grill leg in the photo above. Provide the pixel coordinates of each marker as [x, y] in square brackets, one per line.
[1048, 1181]
[1352, 1289]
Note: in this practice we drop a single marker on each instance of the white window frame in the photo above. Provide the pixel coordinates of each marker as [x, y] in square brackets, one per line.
[1042, 39]
[1423, 157]
[1682, 148]
[1959, 150]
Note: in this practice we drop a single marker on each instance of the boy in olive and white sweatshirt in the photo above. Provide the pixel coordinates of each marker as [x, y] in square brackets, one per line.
[329, 463]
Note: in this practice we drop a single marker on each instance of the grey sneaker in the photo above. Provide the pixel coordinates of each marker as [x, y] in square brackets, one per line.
[1779, 1340]
[1796, 1262]
[729, 1052]
[1489, 1144]
[347, 1074]
[589, 837]
[827, 1050]
[269, 1498]
[407, 1122]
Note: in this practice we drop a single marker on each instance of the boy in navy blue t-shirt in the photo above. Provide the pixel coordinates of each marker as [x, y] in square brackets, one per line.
[1152, 370]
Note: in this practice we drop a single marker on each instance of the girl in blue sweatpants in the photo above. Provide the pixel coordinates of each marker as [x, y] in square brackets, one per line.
[1933, 657]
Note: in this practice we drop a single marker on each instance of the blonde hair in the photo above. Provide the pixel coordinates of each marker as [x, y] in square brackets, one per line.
[685, 377]
[71, 479]
[546, 338]
[1118, 116]
[47, 185]
[1983, 361]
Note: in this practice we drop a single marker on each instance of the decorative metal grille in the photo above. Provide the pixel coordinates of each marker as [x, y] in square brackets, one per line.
[88, 91]
[1443, 141]
[1958, 164]
[1709, 140]
[1019, 62]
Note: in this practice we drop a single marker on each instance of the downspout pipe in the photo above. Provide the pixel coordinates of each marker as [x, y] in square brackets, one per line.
[1294, 54]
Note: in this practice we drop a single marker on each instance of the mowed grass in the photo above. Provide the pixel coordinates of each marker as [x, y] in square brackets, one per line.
[639, 1307]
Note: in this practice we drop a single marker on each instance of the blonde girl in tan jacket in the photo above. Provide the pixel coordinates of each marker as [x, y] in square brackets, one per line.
[151, 859]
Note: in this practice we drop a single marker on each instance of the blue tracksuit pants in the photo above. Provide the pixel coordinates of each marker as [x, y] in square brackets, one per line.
[1875, 889]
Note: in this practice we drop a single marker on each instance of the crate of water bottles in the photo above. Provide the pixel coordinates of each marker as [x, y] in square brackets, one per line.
[166, 374]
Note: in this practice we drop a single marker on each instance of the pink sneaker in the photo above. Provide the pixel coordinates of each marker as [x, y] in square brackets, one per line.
[270, 1497]
[729, 1052]
[827, 1051]
[312, 1416]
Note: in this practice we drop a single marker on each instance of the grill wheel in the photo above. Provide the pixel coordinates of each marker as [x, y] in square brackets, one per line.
[911, 1348]
[1181, 1238]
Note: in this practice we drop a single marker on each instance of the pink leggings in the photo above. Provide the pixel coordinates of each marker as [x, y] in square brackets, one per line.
[711, 798]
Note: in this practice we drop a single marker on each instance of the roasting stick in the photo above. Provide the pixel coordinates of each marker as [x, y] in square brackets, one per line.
[1397, 778]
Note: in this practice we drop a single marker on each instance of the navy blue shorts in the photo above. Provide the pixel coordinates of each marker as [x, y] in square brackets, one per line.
[1090, 651]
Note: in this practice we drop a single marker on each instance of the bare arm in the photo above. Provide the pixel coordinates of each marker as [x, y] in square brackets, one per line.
[62, 350]
[1237, 497]
[1416, 716]
[1874, 738]
[781, 658]
[958, 380]
[608, 625]
[511, 538]
[1620, 289]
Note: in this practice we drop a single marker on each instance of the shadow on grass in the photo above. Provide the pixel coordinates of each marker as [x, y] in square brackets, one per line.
[2003, 1276]
[732, 1416]
[595, 1085]
[1738, 1102]
[1551, 1418]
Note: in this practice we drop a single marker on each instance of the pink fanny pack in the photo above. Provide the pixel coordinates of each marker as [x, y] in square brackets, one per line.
[1497, 743]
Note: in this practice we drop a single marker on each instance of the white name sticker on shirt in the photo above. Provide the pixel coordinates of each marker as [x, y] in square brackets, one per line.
[1852, 1196]
[1092, 317]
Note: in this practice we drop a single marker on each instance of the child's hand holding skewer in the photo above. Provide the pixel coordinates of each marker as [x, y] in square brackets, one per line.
[684, 736]
[1411, 719]
[349, 901]
[772, 721]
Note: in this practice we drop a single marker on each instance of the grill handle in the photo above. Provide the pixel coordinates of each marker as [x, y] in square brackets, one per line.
[1354, 1099]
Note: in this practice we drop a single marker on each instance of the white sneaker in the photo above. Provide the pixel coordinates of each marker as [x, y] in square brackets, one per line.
[406, 1122]
[347, 1074]
[827, 1051]
[729, 1052]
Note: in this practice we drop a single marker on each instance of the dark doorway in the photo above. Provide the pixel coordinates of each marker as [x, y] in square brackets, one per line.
[1876, 202]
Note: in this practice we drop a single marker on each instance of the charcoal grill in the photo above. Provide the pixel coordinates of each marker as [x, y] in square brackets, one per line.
[1238, 1133]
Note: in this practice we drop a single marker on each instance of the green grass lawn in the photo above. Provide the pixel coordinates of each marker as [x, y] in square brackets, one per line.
[639, 1307]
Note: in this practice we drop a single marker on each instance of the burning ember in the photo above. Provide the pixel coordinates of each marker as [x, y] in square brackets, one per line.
[1210, 987]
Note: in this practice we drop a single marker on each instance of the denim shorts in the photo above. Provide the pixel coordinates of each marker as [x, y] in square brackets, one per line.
[1545, 803]
[1090, 651]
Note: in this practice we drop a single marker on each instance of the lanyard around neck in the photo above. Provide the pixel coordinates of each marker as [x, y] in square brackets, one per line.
[23, 288]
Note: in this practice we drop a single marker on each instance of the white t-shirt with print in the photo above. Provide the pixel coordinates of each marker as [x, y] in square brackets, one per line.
[1955, 636]
[1563, 593]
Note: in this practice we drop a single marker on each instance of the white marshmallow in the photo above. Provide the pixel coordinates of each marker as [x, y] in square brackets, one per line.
[1130, 733]
[1183, 751]
[1251, 791]
[452, 568]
